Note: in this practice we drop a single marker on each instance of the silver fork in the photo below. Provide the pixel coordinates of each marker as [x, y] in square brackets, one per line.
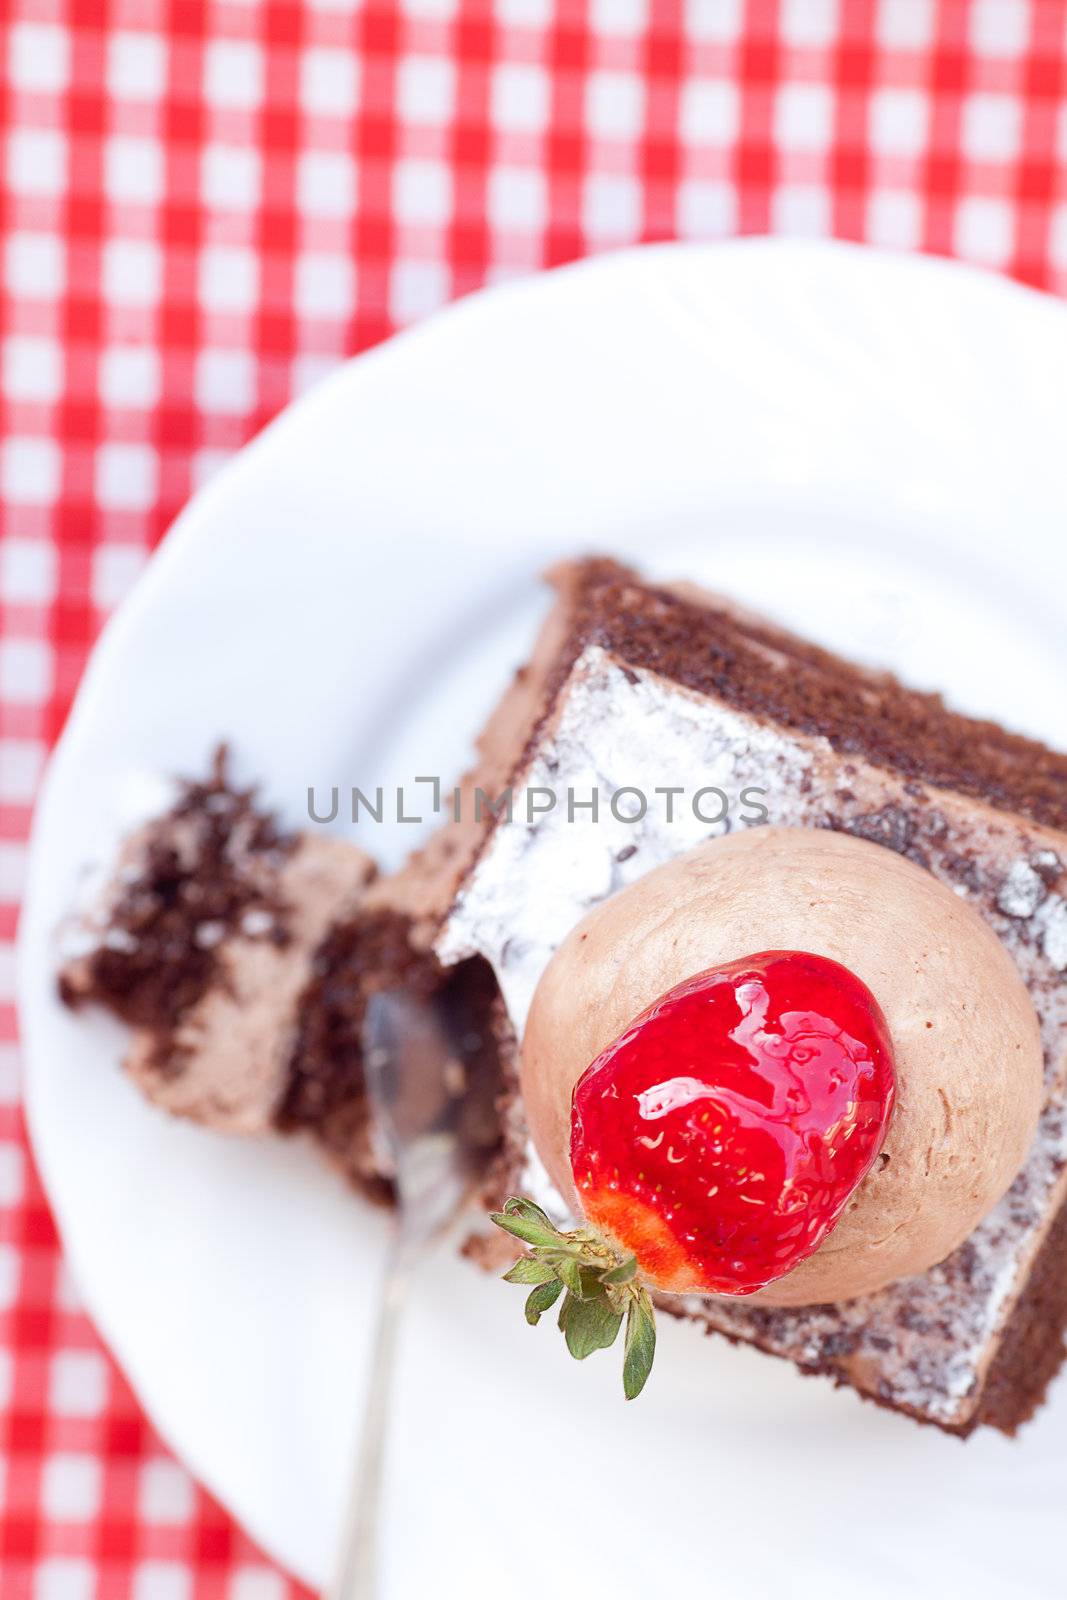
[421, 1103]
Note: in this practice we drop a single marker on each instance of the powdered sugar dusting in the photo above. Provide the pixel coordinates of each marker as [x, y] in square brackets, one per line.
[1021, 892]
[618, 729]
[1054, 932]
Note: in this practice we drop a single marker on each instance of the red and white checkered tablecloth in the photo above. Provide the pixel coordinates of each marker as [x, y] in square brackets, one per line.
[205, 204]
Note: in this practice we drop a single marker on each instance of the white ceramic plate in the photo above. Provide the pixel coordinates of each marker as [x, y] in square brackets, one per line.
[869, 447]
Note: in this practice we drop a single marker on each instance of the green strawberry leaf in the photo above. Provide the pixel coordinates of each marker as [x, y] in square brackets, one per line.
[542, 1299]
[640, 1347]
[591, 1283]
[529, 1229]
[591, 1325]
[517, 1206]
[528, 1269]
[569, 1269]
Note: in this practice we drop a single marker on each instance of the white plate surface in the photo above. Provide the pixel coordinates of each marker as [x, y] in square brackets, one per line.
[869, 447]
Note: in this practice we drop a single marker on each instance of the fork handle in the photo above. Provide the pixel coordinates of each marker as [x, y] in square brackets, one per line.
[356, 1575]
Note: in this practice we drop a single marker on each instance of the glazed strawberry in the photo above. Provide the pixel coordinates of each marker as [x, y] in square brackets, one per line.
[720, 1137]
[714, 1145]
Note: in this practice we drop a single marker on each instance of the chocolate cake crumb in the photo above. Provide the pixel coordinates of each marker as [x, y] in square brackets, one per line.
[892, 827]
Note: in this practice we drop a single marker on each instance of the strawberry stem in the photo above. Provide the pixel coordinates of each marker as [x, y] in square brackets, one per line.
[600, 1286]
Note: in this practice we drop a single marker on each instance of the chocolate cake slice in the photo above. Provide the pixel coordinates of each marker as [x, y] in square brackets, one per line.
[242, 957]
[642, 688]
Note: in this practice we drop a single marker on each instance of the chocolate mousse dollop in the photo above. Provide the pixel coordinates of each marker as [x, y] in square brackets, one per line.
[964, 1032]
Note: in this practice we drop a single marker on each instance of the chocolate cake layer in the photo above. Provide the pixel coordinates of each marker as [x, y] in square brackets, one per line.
[716, 648]
[653, 687]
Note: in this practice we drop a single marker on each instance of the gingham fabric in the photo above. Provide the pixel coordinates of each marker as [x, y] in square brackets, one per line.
[206, 204]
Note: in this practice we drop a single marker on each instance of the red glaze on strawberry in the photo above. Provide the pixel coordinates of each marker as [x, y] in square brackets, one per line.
[719, 1138]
